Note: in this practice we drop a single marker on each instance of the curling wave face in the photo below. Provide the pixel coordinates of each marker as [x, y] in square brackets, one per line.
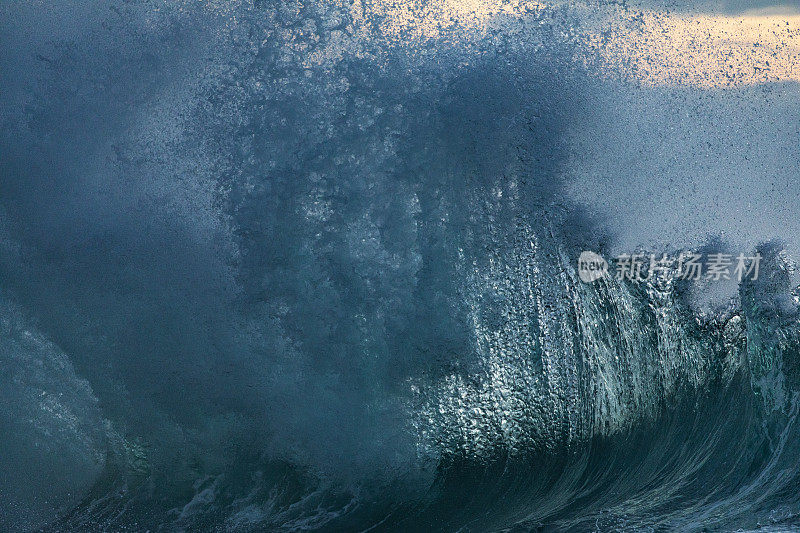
[298, 267]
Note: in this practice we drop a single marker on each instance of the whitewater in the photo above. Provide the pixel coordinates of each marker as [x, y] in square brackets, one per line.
[313, 266]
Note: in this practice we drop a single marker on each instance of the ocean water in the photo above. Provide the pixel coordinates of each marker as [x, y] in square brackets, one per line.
[302, 266]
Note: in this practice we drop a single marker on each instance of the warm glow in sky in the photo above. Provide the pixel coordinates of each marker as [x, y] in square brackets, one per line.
[704, 51]
[646, 47]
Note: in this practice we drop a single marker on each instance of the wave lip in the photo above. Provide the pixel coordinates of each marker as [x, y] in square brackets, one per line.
[307, 266]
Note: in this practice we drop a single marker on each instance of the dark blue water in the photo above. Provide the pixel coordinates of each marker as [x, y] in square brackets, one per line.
[299, 266]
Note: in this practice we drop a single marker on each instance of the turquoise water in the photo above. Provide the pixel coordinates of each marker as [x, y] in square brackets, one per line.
[297, 267]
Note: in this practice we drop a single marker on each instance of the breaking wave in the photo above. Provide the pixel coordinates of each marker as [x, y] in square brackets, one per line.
[309, 266]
